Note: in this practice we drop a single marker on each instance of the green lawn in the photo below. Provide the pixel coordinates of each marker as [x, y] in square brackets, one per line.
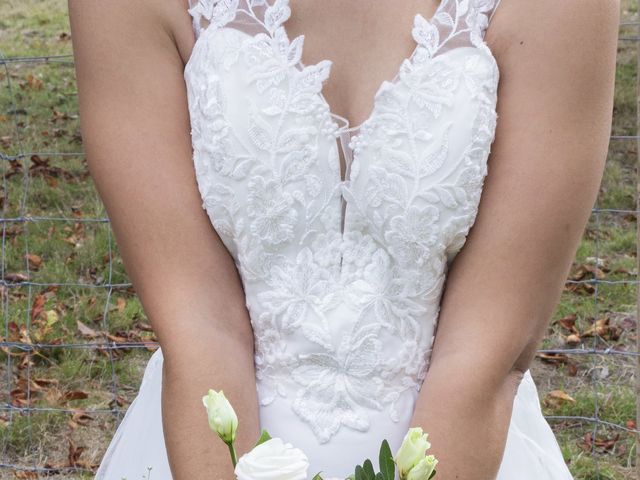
[66, 241]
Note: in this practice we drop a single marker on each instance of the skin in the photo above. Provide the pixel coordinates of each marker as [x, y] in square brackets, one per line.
[546, 163]
[136, 131]
[557, 62]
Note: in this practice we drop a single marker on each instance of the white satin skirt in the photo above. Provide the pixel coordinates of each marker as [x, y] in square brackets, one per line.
[531, 453]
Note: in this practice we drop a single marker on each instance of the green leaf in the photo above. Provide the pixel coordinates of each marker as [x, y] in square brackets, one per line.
[360, 474]
[317, 476]
[264, 436]
[379, 476]
[368, 469]
[387, 465]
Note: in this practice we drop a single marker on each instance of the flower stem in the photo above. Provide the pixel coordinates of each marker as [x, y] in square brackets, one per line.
[232, 450]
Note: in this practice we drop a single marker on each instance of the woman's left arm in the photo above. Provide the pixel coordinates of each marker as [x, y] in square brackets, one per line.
[557, 67]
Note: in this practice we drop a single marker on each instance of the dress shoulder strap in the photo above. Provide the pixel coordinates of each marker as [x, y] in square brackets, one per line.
[456, 23]
[250, 16]
[493, 9]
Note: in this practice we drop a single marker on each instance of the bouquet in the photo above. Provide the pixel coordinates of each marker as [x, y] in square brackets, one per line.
[273, 459]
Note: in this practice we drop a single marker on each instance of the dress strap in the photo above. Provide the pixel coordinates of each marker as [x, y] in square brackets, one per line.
[458, 22]
[195, 17]
[493, 9]
[217, 12]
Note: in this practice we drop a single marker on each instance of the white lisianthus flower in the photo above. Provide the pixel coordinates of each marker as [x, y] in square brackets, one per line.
[273, 460]
[412, 451]
[222, 417]
[424, 469]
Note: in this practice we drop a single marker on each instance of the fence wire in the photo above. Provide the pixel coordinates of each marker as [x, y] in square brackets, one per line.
[21, 352]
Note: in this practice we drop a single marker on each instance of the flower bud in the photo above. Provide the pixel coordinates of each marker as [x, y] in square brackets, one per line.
[424, 469]
[222, 418]
[411, 451]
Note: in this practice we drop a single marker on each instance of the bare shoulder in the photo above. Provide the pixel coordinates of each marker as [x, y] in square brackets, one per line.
[148, 23]
[557, 62]
[569, 35]
[178, 21]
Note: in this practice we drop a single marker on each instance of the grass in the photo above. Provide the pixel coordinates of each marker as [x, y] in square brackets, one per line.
[38, 113]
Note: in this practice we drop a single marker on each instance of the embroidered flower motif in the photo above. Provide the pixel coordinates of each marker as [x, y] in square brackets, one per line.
[412, 236]
[455, 233]
[218, 12]
[478, 21]
[337, 384]
[477, 70]
[210, 101]
[433, 88]
[272, 359]
[272, 58]
[325, 245]
[218, 201]
[296, 290]
[271, 210]
[426, 34]
[381, 293]
[357, 252]
[253, 260]
[276, 15]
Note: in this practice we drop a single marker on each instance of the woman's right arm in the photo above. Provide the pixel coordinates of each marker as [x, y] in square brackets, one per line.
[136, 131]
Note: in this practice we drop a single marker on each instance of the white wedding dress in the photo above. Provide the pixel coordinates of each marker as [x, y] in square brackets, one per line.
[343, 272]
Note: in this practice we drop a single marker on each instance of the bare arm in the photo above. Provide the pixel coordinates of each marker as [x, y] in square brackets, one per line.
[136, 131]
[557, 62]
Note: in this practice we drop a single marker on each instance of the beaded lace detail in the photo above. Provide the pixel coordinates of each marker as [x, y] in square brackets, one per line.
[343, 276]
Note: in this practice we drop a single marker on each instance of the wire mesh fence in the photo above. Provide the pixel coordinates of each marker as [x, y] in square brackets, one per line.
[74, 337]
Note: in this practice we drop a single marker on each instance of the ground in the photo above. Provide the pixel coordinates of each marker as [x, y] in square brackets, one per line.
[64, 282]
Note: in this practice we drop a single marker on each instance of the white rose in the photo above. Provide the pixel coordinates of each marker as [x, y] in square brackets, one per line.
[273, 460]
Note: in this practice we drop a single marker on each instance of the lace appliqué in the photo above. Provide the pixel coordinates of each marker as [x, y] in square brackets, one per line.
[343, 306]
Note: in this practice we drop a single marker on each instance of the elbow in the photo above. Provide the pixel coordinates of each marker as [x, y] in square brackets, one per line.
[515, 377]
[524, 351]
[523, 362]
[521, 365]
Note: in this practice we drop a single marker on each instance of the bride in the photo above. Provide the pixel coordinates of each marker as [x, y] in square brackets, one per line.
[293, 186]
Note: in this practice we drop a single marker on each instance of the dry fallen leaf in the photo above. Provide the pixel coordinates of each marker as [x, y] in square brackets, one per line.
[568, 322]
[600, 328]
[73, 395]
[556, 398]
[86, 331]
[553, 358]
[80, 417]
[35, 261]
[573, 339]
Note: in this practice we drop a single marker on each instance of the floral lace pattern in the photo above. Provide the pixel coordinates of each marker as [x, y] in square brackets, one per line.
[343, 276]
